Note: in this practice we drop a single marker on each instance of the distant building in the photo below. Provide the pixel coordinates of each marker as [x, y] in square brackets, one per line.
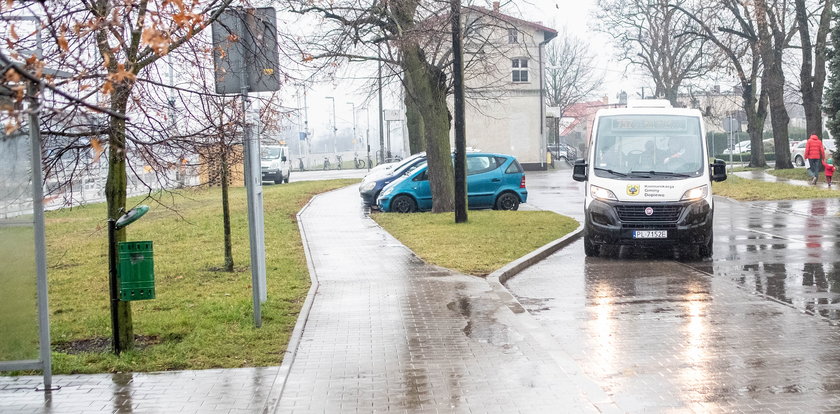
[574, 125]
[505, 105]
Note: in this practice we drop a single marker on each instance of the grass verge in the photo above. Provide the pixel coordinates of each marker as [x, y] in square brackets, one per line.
[489, 240]
[744, 189]
[202, 316]
[794, 174]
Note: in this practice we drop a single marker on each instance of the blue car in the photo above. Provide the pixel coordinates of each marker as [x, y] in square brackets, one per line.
[370, 187]
[493, 181]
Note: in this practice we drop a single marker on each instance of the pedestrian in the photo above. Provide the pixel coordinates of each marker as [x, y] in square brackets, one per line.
[814, 153]
[829, 170]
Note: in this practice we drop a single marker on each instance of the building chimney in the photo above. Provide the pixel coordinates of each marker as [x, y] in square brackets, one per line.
[496, 6]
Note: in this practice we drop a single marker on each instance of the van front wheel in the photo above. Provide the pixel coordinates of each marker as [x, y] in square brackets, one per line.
[706, 249]
[589, 248]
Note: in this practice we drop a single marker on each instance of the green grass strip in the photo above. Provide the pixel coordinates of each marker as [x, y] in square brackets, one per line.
[202, 316]
[744, 189]
[488, 241]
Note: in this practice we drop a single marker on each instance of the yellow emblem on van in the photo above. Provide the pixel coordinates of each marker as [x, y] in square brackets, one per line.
[633, 189]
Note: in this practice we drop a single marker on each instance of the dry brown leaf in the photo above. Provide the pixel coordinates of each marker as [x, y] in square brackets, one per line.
[12, 34]
[107, 88]
[62, 43]
[98, 149]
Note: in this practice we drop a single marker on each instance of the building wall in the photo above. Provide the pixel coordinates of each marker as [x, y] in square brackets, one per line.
[501, 115]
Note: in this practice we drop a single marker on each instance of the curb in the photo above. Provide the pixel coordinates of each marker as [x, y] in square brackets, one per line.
[497, 279]
[276, 391]
[511, 269]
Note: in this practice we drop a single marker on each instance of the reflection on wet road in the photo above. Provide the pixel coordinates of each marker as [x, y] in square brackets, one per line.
[750, 330]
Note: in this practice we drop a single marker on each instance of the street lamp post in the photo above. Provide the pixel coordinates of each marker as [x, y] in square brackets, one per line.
[334, 128]
[353, 104]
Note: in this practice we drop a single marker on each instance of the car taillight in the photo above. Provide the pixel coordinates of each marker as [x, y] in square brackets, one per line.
[522, 182]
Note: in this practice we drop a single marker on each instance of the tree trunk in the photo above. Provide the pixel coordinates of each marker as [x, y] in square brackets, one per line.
[115, 195]
[756, 115]
[771, 46]
[226, 208]
[414, 123]
[813, 60]
[428, 84]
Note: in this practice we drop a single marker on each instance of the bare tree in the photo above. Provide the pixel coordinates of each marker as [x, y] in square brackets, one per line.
[412, 40]
[729, 25]
[812, 72]
[775, 30]
[106, 45]
[571, 74]
[654, 36]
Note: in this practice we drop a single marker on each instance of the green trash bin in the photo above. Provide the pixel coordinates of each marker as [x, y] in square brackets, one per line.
[136, 270]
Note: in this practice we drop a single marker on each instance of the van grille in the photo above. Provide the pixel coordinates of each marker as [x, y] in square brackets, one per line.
[661, 212]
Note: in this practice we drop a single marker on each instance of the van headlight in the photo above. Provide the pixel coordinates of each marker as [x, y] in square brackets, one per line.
[696, 193]
[601, 193]
[365, 187]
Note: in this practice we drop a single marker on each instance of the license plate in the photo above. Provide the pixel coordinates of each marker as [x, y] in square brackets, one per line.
[650, 234]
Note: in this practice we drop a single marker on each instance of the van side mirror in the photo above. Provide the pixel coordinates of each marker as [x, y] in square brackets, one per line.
[579, 170]
[283, 158]
[718, 170]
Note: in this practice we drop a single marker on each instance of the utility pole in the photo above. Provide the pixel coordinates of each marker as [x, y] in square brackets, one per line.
[334, 128]
[353, 104]
[381, 114]
[460, 128]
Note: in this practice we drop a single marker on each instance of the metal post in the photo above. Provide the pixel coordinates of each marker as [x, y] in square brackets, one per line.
[460, 127]
[112, 284]
[367, 135]
[254, 200]
[381, 114]
[40, 234]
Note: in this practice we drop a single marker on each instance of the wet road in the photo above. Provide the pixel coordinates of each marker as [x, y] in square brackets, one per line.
[753, 329]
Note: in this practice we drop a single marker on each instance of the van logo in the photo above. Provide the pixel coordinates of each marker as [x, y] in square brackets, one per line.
[633, 189]
[648, 211]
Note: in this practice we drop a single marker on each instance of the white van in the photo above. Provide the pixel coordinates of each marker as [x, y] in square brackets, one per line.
[648, 178]
[274, 160]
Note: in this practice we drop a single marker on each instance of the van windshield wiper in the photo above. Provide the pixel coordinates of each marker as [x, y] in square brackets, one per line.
[611, 171]
[663, 173]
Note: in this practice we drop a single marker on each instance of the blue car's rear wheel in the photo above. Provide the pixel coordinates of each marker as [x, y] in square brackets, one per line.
[403, 204]
[507, 201]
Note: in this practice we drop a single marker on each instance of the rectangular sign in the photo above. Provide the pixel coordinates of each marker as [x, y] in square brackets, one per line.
[245, 50]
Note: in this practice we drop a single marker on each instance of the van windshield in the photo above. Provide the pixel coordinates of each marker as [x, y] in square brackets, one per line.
[648, 146]
[271, 153]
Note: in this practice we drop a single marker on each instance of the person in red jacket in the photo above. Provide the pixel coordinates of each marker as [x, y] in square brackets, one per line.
[829, 170]
[814, 153]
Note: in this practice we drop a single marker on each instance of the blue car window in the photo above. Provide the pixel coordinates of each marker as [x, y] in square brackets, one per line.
[480, 164]
[423, 176]
[514, 168]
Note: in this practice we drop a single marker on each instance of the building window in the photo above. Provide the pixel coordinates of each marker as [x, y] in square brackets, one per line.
[519, 69]
[513, 35]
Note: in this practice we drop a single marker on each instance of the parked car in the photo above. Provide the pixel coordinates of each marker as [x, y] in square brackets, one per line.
[493, 181]
[739, 148]
[562, 152]
[371, 186]
[798, 153]
[386, 169]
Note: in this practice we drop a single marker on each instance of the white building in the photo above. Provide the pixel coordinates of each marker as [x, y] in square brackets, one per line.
[505, 106]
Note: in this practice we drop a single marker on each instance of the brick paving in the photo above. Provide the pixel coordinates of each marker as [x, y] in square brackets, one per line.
[388, 332]
[240, 390]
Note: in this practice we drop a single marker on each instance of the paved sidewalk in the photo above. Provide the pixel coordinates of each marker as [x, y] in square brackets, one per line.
[389, 333]
[241, 390]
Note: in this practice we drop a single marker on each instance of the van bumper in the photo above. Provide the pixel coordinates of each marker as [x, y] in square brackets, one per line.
[613, 222]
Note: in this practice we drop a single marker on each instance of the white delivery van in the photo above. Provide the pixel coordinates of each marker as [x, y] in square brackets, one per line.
[648, 178]
[274, 160]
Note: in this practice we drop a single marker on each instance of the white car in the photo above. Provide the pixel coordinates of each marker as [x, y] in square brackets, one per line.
[797, 155]
[740, 148]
